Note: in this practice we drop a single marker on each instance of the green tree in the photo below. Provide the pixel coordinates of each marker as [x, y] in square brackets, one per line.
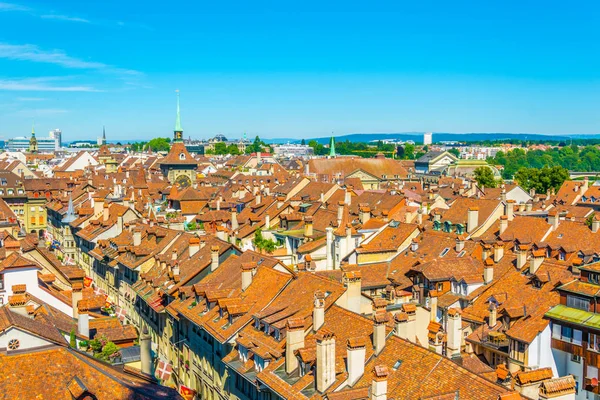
[425, 148]
[400, 152]
[485, 177]
[159, 144]
[220, 148]
[541, 179]
[409, 151]
[233, 149]
[73, 339]
[261, 243]
[454, 151]
[303, 142]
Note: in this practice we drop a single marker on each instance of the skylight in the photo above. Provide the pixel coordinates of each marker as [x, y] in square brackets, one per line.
[397, 365]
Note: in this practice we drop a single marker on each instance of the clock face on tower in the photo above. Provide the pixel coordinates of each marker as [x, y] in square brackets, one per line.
[183, 181]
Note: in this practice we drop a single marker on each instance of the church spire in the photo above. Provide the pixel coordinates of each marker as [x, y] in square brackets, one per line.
[332, 147]
[33, 129]
[70, 215]
[103, 135]
[178, 136]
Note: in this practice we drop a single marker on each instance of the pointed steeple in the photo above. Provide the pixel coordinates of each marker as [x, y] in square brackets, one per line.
[70, 215]
[332, 147]
[103, 135]
[33, 129]
[178, 136]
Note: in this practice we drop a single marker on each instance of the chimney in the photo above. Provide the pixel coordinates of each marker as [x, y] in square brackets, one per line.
[503, 224]
[280, 201]
[503, 193]
[234, 221]
[492, 316]
[537, 259]
[380, 320]
[488, 271]
[553, 219]
[176, 269]
[355, 357]
[83, 320]
[105, 212]
[219, 204]
[248, 272]
[379, 383]
[214, 257]
[267, 221]
[202, 243]
[472, 219]
[433, 305]
[194, 246]
[145, 351]
[364, 215]
[318, 310]
[325, 371]
[347, 197]
[521, 256]
[595, 224]
[532, 193]
[498, 251]
[528, 206]
[460, 243]
[510, 209]
[308, 226]
[329, 247]
[437, 217]
[454, 338]
[137, 237]
[98, 205]
[352, 282]
[401, 329]
[340, 212]
[174, 255]
[294, 340]
[76, 295]
[414, 245]
[258, 198]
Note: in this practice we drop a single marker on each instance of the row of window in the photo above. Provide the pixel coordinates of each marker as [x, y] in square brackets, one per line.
[567, 334]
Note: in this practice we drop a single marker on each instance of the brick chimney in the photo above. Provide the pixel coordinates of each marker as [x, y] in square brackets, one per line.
[379, 383]
[194, 246]
[454, 338]
[380, 320]
[595, 224]
[510, 209]
[214, 257]
[248, 272]
[472, 219]
[503, 224]
[325, 371]
[137, 236]
[492, 316]
[553, 219]
[460, 243]
[488, 271]
[294, 340]
[318, 310]
[308, 226]
[352, 282]
[83, 319]
[521, 256]
[498, 251]
[537, 258]
[76, 295]
[355, 356]
[234, 221]
[340, 212]
[364, 214]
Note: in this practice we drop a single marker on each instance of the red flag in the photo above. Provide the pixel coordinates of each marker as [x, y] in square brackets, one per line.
[87, 282]
[186, 392]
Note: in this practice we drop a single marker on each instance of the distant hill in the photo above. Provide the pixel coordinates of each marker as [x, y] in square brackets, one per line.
[417, 137]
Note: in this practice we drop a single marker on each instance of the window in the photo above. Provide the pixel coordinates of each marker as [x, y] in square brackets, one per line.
[593, 278]
[521, 347]
[576, 358]
[594, 342]
[578, 302]
[397, 365]
[444, 252]
[440, 286]
[1, 282]
[13, 344]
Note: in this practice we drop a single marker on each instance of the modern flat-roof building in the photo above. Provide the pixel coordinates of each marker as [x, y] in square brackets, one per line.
[292, 150]
[21, 143]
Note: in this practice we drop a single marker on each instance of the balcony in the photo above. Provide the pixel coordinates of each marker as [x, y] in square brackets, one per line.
[496, 340]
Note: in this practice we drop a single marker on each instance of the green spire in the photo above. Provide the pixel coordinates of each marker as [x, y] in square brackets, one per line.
[178, 128]
[332, 147]
[33, 129]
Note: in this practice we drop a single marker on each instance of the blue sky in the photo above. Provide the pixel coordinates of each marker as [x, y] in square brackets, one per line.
[298, 69]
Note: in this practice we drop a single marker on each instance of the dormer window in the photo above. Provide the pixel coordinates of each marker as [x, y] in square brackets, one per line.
[182, 156]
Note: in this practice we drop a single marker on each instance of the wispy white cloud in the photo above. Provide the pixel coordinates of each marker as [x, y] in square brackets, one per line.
[12, 7]
[31, 98]
[65, 18]
[29, 52]
[46, 84]
[40, 112]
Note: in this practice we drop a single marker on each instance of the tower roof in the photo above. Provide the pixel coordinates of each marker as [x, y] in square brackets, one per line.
[332, 147]
[70, 215]
[178, 127]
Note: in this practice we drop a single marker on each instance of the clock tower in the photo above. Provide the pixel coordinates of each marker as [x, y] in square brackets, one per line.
[179, 167]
